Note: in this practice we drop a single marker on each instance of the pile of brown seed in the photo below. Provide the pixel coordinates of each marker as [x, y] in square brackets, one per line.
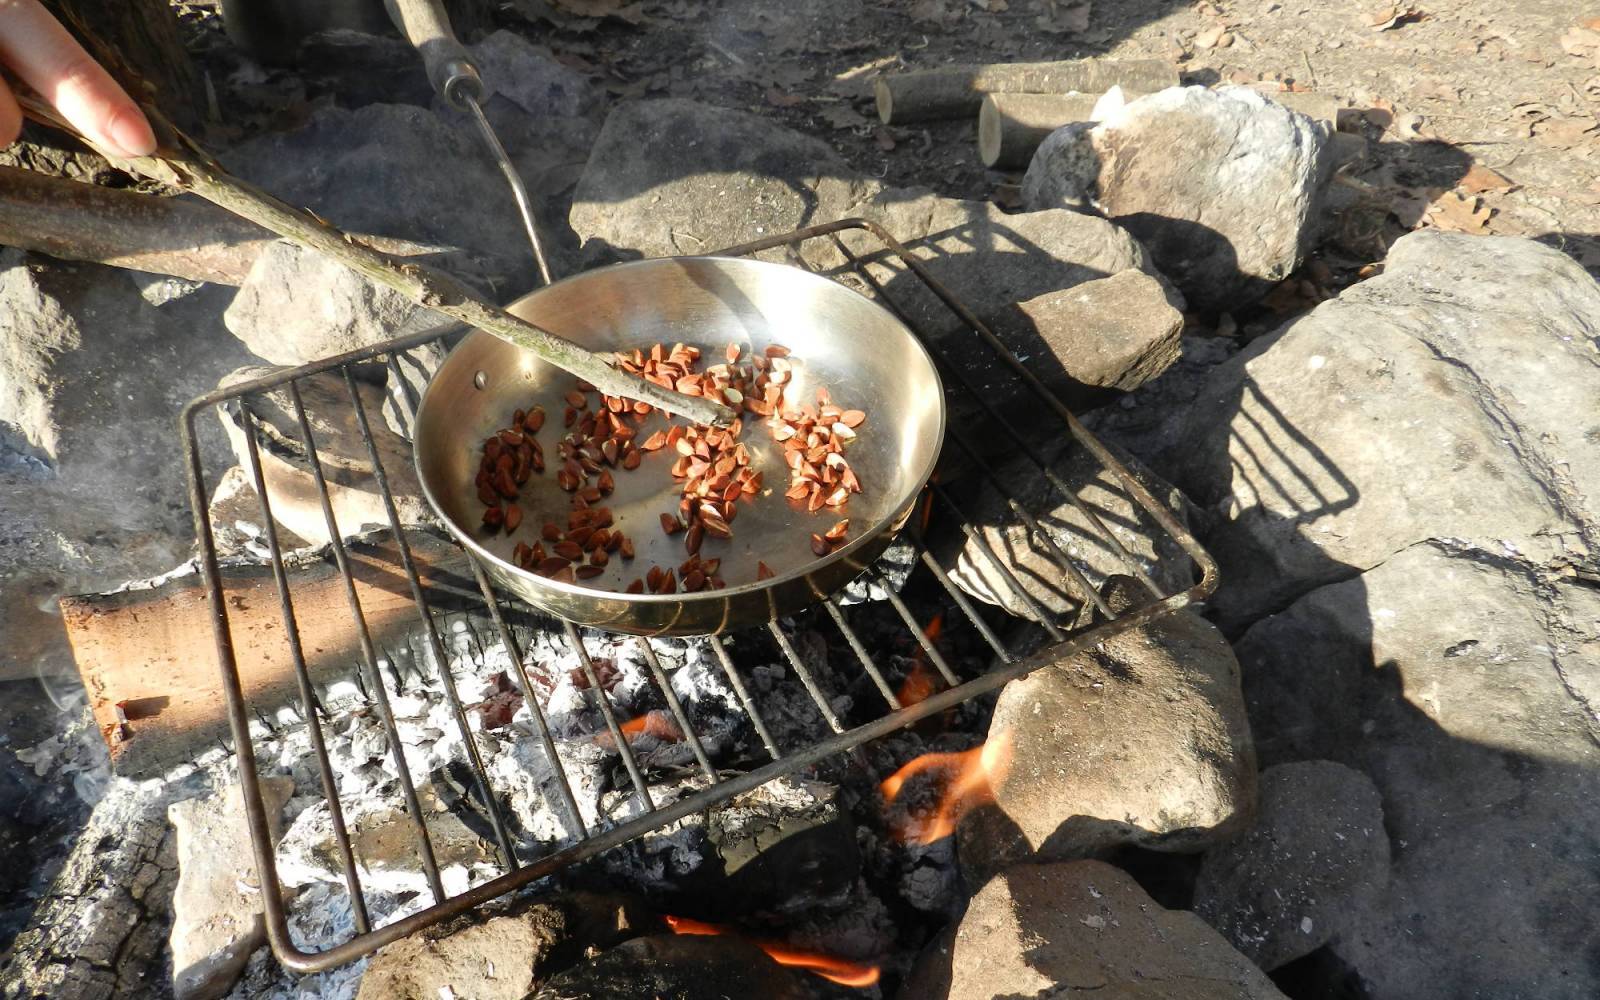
[711, 464]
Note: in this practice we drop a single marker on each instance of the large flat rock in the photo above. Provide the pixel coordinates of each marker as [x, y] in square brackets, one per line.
[1465, 684]
[1453, 396]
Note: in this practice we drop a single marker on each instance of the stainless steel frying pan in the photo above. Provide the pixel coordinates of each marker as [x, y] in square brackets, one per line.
[865, 357]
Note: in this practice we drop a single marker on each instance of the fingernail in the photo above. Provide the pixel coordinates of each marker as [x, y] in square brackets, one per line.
[130, 131]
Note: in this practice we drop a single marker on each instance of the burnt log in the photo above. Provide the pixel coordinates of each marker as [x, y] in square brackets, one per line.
[148, 657]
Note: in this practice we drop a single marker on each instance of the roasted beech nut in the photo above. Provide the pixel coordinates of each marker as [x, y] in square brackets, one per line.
[549, 567]
[838, 531]
[534, 420]
[763, 571]
[819, 545]
[513, 518]
[589, 572]
[627, 547]
[636, 587]
[670, 524]
[493, 517]
[551, 532]
[693, 538]
[571, 551]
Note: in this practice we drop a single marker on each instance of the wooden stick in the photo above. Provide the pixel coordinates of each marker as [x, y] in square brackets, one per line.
[181, 163]
[957, 91]
[181, 236]
[1011, 126]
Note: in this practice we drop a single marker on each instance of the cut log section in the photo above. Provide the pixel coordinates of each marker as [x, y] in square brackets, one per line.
[958, 91]
[148, 658]
[1011, 126]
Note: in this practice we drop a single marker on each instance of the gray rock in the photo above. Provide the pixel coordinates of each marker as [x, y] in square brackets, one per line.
[1080, 927]
[500, 958]
[1096, 340]
[216, 909]
[1317, 852]
[1035, 565]
[1141, 740]
[1450, 397]
[1464, 683]
[987, 259]
[346, 462]
[410, 173]
[671, 176]
[297, 306]
[1220, 185]
[676, 177]
[683, 967]
[34, 331]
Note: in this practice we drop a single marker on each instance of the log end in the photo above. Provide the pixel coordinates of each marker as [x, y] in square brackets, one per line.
[885, 99]
[989, 132]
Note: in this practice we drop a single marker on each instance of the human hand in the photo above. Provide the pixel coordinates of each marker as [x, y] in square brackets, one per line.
[35, 47]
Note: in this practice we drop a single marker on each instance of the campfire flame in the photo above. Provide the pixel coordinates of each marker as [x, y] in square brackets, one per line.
[920, 681]
[835, 969]
[968, 783]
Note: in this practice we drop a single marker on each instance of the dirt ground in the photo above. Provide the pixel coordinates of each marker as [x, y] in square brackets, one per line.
[1437, 89]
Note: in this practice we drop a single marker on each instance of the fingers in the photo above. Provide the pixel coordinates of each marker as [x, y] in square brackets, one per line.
[40, 51]
[10, 116]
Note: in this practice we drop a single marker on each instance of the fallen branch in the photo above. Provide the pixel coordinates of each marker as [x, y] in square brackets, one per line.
[181, 163]
[957, 91]
[1011, 126]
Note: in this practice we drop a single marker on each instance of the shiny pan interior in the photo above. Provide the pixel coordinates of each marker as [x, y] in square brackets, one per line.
[863, 355]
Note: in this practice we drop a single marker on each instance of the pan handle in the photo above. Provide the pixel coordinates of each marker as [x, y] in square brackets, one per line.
[426, 26]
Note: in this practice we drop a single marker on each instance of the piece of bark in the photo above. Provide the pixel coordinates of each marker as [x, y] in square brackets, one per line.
[957, 91]
[1011, 126]
[148, 658]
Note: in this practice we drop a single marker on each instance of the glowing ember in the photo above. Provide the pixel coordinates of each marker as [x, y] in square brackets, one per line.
[835, 969]
[920, 681]
[968, 778]
[652, 723]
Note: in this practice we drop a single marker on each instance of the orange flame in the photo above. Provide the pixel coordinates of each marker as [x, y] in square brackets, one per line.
[835, 969]
[969, 784]
[921, 682]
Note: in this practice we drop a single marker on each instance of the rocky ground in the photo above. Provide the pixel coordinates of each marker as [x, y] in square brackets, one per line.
[1398, 484]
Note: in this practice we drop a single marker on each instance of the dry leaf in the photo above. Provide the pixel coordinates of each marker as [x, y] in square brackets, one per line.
[1480, 179]
[1392, 17]
[1410, 206]
[1457, 213]
[1564, 133]
[1582, 42]
[1213, 37]
[881, 136]
[779, 99]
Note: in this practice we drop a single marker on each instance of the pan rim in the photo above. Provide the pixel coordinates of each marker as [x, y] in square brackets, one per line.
[891, 524]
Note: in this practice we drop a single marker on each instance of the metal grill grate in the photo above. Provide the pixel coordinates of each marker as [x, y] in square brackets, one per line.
[723, 783]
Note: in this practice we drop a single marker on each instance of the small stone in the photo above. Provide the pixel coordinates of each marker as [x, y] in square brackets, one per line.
[1040, 930]
[1218, 184]
[500, 957]
[216, 909]
[1318, 852]
[298, 306]
[1141, 740]
[1097, 339]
